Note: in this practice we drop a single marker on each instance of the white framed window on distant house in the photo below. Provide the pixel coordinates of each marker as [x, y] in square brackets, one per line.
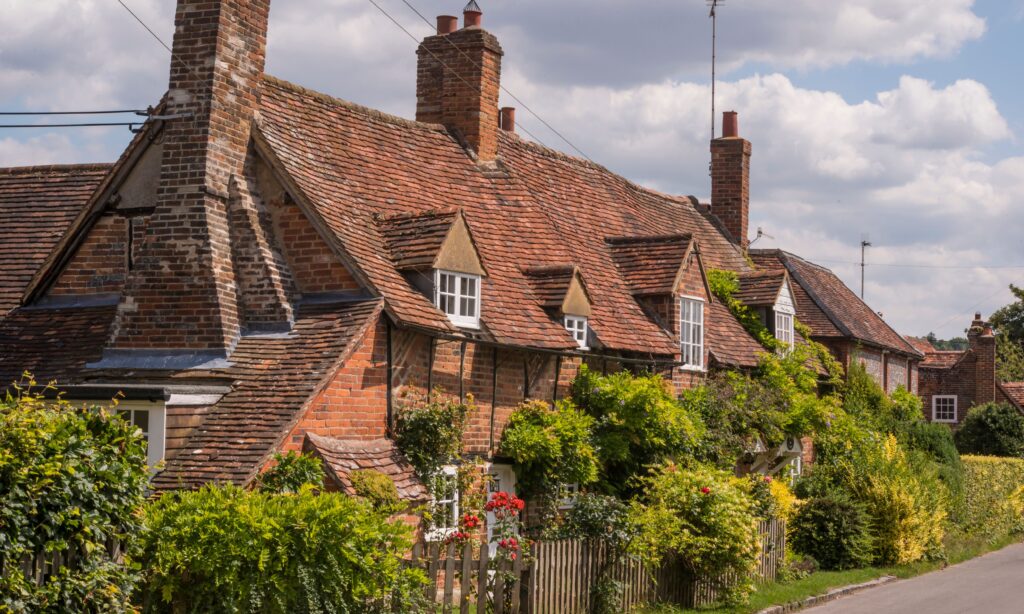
[577, 327]
[944, 408]
[691, 332]
[784, 328]
[444, 509]
[150, 418]
[567, 497]
[458, 296]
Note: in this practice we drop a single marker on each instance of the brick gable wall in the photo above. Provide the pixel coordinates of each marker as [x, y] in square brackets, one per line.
[101, 263]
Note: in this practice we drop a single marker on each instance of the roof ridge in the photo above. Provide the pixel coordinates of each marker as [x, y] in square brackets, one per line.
[351, 106]
[53, 168]
[411, 215]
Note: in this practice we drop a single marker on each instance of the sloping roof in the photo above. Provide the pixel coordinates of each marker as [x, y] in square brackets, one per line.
[551, 283]
[52, 344]
[37, 206]
[273, 376]
[650, 265]
[729, 342]
[414, 239]
[343, 457]
[757, 289]
[538, 207]
[1014, 391]
[831, 309]
[920, 344]
[942, 359]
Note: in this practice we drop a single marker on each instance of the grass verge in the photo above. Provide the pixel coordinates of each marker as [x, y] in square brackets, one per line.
[958, 550]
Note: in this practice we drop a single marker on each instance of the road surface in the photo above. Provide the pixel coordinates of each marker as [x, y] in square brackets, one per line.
[991, 584]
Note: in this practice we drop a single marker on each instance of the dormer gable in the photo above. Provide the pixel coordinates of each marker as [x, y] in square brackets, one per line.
[659, 265]
[560, 289]
[770, 295]
[439, 239]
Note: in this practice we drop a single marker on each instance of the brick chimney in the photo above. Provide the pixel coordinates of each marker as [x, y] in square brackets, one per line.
[180, 301]
[730, 179]
[458, 80]
[983, 344]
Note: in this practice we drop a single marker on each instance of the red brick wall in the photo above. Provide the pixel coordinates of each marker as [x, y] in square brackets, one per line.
[896, 372]
[958, 381]
[872, 362]
[101, 262]
[314, 265]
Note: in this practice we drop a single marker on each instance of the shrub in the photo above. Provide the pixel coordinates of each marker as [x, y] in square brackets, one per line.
[705, 518]
[70, 479]
[994, 496]
[936, 442]
[430, 435]
[638, 423]
[834, 531]
[992, 429]
[224, 549]
[785, 500]
[378, 489]
[291, 472]
[550, 447]
[595, 516]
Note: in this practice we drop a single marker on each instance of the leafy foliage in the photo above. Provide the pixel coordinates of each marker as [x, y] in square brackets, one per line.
[1009, 320]
[834, 531]
[291, 472]
[71, 478]
[935, 441]
[430, 435]
[703, 516]
[224, 549]
[995, 496]
[1009, 359]
[992, 429]
[595, 516]
[550, 447]
[958, 344]
[637, 423]
[378, 490]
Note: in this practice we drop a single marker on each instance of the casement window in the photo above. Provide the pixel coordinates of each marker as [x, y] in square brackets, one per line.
[691, 332]
[568, 496]
[577, 327]
[944, 408]
[784, 328]
[458, 296]
[444, 509]
[150, 419]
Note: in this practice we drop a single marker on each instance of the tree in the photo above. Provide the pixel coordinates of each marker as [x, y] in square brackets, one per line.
[992, 429]
[1009, 360]
[1009, 320]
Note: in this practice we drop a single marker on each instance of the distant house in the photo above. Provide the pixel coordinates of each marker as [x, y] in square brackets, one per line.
[841, 321]
[954, 381]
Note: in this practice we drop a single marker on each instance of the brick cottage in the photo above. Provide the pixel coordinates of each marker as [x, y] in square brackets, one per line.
[269, 268]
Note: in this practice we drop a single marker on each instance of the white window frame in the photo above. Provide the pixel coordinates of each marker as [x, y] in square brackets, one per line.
[579, 328]
[691, 333]
[567, 496]
[437, 534]
[784, 328]
[465, 320]
[156, 439]
[935, 408]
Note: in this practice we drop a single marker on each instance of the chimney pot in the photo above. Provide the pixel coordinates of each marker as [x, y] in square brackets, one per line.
[730, 125]
[446, 24]
[473, 19]
[508, 119]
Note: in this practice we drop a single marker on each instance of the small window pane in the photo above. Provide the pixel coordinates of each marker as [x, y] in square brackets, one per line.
[142, 420]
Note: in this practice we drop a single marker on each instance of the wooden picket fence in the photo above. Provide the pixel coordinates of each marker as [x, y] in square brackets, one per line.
[39, 567]
[562, 573]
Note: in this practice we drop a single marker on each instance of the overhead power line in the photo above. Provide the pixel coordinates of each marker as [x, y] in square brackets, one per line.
[76, 125]
[111, 112]
[923, 266]
[477, 64]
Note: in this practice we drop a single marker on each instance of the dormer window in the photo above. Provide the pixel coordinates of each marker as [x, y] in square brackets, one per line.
[577, 327]
[458, 296]
[691, 332]
[784, 328]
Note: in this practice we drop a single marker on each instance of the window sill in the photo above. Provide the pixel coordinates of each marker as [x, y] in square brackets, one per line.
[438, 535]
[693, 369]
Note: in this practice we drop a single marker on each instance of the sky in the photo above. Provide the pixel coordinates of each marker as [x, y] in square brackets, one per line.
[899, 121]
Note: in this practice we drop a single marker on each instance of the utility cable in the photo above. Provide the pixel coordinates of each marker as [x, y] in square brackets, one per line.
[112, 112]
[81, 125]
[503, 88]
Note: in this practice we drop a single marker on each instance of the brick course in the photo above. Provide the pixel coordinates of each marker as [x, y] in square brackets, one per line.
[730, 185]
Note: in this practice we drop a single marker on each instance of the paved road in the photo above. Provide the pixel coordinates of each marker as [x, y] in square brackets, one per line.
[991, 584]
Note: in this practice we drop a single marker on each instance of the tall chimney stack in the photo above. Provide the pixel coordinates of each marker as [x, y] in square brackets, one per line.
[730, 179]
[180, 301]
[982, 342]
[458, 79]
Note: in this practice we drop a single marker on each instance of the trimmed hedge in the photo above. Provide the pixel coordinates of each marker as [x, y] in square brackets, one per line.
[994, 495]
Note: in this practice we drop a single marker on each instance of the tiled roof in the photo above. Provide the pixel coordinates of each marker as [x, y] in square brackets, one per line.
[758, 289]
[273, 376]
[1015, 392]
[537, 208]
[942, 359]
[550, 283]
[649, 265]
[37, 205]
[52, 344]
[414, 239]
[729, 342]
[920, 344]
[342, 457]
[828, 306]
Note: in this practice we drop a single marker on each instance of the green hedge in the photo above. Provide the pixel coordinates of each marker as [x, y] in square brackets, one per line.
[994, 495]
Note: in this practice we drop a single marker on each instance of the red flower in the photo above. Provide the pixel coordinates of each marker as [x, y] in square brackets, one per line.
[706, 490]
[768, 478]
